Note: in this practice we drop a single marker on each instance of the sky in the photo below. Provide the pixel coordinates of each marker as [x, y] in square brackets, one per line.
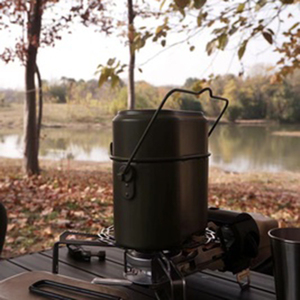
[78, 54]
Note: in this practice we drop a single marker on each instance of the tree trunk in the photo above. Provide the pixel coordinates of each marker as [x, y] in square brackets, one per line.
[131, 89]
[40, 113]
[31, 164]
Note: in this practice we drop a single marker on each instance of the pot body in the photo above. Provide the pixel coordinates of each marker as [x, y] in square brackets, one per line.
[163, 200]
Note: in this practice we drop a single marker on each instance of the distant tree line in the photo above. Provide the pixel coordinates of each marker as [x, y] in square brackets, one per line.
[256, 97]
[251, 97]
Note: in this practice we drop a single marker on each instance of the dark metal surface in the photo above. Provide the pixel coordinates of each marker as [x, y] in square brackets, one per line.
[286, 256]
[79, 270]
[160, 175]
[175, 286]
[168, 207]
[206, 285]
[241, 228]
[150, 124]
[39, 288]
[3, 225]
[174, 135]
[64, 239]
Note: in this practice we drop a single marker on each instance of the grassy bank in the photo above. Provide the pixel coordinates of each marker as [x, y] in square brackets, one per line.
[77, 195]
[56, 115]
[77, 115]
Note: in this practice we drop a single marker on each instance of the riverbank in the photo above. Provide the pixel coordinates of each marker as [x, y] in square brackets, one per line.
[80, 116]
[57, 116]
[287, 133]
[78, 196]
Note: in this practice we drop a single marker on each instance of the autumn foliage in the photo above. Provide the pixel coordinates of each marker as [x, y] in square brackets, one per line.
[41, 207]
[79, 197]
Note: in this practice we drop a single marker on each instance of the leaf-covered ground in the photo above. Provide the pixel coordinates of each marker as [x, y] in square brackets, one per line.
[78, 196]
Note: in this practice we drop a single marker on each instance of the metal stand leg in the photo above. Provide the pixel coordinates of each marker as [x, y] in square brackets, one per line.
[55, 258]
[174, 287]
[63, 240]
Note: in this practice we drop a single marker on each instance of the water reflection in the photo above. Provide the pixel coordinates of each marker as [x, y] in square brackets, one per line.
[57, 144]
[234, 148]
[86, 145]
[250, 148]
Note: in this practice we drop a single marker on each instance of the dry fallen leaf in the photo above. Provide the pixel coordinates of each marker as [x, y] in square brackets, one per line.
[40, 208]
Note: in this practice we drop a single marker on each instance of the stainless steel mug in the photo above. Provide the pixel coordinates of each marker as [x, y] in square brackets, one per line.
[285, 243]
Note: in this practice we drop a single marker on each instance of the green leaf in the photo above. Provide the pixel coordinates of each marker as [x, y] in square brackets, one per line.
[240, 8]
[294, 26]
[202, 16]
[114, 80]
[162, 4]
[220, 30]
[268, 37]
[192, 48]
[223, 40]
[260, 4]
[242, 49]
[139, 43]
[103, 78]
[210, 47]
[111, 61]
[199, 3]
[137, 37]
[199, 20]
[117, 66]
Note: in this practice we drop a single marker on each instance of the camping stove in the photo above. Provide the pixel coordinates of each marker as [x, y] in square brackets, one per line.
[161, 215]
[233, 241]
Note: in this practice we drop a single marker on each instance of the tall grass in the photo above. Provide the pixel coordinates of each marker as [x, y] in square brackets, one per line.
[11, 117]
[74, 113]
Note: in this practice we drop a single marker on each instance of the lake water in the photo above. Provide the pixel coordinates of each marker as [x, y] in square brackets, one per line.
[234, 147]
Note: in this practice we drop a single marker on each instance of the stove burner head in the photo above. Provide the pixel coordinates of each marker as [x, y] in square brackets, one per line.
[140, 266]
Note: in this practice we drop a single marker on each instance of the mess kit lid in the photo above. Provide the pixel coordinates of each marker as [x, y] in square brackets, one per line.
[174, 135]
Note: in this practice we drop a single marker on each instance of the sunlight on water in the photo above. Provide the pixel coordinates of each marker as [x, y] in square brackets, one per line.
[76, 152]
[11, 146]
[244, 164]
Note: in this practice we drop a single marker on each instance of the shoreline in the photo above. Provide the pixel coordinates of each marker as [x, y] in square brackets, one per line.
[287, 133]
[216, 174]
[84, 117]
[105, 165]
[107, 124]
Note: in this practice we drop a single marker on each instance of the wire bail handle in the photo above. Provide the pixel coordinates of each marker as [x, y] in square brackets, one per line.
[123, 170]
